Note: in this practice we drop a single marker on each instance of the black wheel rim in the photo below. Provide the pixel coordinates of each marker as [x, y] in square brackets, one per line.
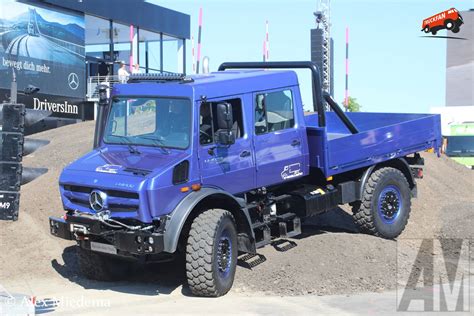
[389, 204]
[224, 254]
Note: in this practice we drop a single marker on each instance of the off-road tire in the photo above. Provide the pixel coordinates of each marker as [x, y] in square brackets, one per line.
[202, 268]
[99, 267]
[365, 212]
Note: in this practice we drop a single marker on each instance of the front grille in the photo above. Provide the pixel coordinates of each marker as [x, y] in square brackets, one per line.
[119, 201]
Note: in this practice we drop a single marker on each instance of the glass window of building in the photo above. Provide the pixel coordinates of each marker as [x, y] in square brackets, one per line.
[149, 52]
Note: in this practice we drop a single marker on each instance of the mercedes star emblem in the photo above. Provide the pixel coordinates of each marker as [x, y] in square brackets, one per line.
[73, 81]
[98, 200]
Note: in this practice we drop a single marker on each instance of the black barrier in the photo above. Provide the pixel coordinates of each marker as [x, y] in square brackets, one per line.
[13, 147]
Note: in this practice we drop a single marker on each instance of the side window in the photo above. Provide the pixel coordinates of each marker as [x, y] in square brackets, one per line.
[208, 120]
[274, 111]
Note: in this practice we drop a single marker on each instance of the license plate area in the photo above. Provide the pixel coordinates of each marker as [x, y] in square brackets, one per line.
[104, 248]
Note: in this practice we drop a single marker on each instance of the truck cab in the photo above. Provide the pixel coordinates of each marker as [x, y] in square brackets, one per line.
[210, 166]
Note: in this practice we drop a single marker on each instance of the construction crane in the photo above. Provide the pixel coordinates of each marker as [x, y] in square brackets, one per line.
[322, 15]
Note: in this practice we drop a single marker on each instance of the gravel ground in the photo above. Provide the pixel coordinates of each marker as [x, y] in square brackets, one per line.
[329, 258]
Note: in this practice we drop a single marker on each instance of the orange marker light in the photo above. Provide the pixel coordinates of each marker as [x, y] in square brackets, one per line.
[196, 187]
[184, 189]
[329, 178]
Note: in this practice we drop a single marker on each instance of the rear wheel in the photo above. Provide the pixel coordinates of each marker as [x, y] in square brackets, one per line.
[385, 206]
[96, 266]
[433, 32]
[449, 24]
[211, 253]
[455, 29]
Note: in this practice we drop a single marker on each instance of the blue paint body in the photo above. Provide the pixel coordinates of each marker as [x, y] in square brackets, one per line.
[273, 158]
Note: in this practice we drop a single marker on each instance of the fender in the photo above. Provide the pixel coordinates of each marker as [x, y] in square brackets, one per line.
[177, 218]
[398, 163]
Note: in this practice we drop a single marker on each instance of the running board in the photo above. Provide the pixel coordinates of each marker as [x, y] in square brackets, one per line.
[287, 226]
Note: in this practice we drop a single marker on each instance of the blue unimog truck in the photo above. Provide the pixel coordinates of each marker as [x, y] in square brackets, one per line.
[216, 165]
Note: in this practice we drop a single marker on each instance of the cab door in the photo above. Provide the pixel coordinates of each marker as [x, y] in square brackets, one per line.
[278, 142]
[230, 168]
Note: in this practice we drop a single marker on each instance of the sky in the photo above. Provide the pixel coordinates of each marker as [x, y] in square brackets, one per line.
[392, 67]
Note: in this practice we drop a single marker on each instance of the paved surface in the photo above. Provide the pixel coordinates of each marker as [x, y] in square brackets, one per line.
[146, 299]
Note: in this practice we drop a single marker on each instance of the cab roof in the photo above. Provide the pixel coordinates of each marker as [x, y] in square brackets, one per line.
[212, 85]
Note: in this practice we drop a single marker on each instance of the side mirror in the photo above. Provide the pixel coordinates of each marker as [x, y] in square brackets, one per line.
[224, 116]
[224, 124]
[103, 98]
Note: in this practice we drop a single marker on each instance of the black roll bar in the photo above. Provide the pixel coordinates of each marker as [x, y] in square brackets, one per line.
[318, 105]
[344, 118]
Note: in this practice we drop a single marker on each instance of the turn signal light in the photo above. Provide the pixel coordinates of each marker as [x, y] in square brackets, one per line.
[184, 189]
[196, 187]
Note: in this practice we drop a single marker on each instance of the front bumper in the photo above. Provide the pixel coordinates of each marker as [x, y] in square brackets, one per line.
[88, 230]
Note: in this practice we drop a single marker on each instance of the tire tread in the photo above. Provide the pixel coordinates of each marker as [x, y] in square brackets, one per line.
[362, 211]
[199, 252]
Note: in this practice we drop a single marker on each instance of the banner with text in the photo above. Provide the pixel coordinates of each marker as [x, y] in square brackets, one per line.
[45, 48]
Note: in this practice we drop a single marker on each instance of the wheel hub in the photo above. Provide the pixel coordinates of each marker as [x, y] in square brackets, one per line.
[389, 205]
[224, 253]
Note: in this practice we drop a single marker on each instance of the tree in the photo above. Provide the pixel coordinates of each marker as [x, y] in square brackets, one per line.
[353, 105]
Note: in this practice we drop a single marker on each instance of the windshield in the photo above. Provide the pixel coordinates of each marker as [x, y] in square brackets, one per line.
[460, 146]
[149, 121]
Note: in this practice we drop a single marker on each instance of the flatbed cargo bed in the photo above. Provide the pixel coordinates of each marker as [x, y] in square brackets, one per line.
[381, 137]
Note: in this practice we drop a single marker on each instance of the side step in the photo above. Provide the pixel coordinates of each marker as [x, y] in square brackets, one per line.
[295, 228]
[287, 226]
[265, 239]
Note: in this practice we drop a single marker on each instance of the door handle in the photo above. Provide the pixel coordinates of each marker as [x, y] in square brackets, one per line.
[245, 153]
[295, 142]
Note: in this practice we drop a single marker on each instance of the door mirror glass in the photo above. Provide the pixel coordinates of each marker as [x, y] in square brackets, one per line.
[224, 116]
[224, 124]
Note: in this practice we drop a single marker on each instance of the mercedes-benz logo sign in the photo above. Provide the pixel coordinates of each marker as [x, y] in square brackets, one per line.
[98, 200]
[73, 81]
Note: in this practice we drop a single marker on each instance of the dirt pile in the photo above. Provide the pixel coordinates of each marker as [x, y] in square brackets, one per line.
[26, 246]
[330, 257]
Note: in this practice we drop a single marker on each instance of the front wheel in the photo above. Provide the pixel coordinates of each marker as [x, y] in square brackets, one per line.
[426, 29]
[386, 203]
[211, 253]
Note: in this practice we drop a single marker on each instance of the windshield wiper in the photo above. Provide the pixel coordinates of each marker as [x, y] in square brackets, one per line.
[127, 142]
[158, 142]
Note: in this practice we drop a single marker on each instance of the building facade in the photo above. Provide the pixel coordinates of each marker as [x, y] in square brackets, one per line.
[460, 64]
[65, 48]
